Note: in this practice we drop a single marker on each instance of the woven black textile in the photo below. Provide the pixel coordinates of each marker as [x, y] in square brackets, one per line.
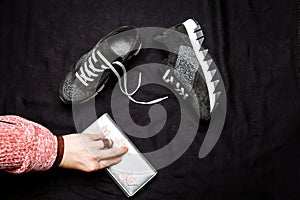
[254, 44]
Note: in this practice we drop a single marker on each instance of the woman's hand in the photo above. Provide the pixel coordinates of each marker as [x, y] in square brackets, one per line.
[87, 152]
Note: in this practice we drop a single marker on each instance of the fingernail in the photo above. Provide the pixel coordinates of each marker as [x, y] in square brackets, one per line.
[124, 148]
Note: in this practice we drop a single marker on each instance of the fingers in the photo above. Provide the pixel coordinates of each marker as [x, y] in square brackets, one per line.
[96, 141]
[95, 136]
[103, 143]
[111, 153]
[109, 162]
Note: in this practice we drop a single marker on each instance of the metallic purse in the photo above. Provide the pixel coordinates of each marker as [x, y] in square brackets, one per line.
[134, 171]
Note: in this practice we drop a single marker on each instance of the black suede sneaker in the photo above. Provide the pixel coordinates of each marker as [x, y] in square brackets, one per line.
[190, 68]
[87, 76]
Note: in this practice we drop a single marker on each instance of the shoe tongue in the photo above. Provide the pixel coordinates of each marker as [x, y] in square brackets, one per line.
[107, 52]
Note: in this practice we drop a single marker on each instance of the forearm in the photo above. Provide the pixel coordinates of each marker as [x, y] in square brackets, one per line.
[25, 145]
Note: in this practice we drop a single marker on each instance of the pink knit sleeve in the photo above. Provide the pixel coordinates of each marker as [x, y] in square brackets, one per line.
[25, 145]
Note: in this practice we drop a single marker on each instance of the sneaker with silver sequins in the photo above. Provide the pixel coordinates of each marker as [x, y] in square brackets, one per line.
[187, 66]
[88, 75]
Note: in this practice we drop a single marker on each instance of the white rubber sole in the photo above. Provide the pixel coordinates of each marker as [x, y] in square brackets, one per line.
[196, 38]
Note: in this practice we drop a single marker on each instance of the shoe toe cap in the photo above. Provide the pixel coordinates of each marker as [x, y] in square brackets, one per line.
[71, 92]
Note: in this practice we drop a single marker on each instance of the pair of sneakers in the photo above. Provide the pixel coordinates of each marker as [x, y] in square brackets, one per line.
[188, 66]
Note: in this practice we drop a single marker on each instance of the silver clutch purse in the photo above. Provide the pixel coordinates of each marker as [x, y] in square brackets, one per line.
[134, 171]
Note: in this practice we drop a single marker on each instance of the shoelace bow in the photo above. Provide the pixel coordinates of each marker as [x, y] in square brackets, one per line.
[125, 90]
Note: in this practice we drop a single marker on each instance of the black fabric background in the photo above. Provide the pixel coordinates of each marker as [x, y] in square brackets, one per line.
[253, 43]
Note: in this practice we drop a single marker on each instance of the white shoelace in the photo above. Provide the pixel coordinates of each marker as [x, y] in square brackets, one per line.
[125, 90]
